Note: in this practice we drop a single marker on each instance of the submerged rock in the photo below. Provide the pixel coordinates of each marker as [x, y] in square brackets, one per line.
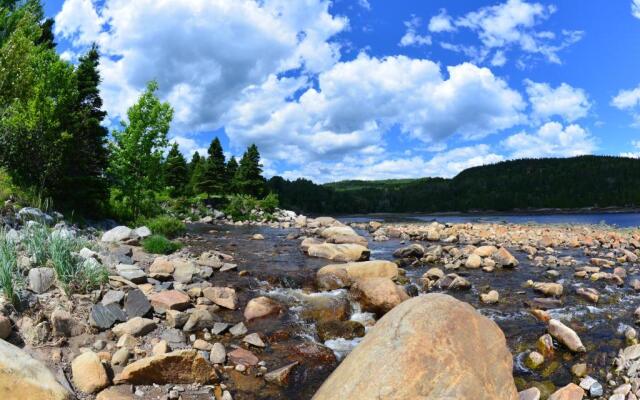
[260, 307]
[182, 366]
[431, 347]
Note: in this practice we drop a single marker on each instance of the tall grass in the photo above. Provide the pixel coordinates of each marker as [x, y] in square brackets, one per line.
[36, 242]
[8, 268]
[74, 274]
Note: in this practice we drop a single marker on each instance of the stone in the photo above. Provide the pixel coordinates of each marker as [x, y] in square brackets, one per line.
[201, 344]
[504, 258]
[378, 295]
[257, 236]
[261, 307]
[5, 327]
[120, 392]
[112, 296]
[335, 276]
[63, 324]
[23, 377]
[219, 328]
[485, 251]
[161, 269]
[118, 234]
[473, 262]
[569, 392]
[198, 320]
[222, 296]
[174, 338]
[534, 360]
[253, 339]
[433, 274]
[529, 394]
[413, 250]
[491, 297]
[339, 252]
[120, 357]
[176, 319]
[136, 304]
[88, 373]
[589, 294]
[142, 232]
[548, 288]
[228, 267]
[280, 376]
[433, 347]
[244, 357]
[41, 279]
[579, 370]
[544, 345]
[103, 317]
[348, 330]
[566, 336]
[184, 270]
[181, 366]
[238, 329]
[217, 354]
[136, 327]
[127, 340]
[132, 273]
[170, 300]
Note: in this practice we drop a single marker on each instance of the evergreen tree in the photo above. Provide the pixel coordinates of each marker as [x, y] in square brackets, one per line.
[249, 178]
[196, 169]
[214, 174]
[231, 170]
[176, 172]
[137, 152]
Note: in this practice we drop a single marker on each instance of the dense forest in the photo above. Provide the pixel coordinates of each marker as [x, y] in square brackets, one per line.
[585, 181]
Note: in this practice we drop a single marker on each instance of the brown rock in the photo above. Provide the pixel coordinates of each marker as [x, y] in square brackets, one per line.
[242, 357]
[5, 327]
[566, 336]
[120, 392]
[378, 295]
[335, 276]
[89, 375]
[339, 252]
[433, 347]
[504, 258]
[589, 294]
[280, 376]
[548, 288]
[569, 392]
[137, 326]
[222, 296]
[169, 300]
[181, 366]
[260, 307]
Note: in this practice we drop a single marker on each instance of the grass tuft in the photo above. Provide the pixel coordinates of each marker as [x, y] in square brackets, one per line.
[158, 244]
[166, 225]
[8, 268]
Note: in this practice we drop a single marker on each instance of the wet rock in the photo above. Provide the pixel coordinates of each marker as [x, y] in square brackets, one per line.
[222, 296]
[433, 274]
[529, 394]
[218, 354]
[136, 304]
[504, 258]
[261, 307]
[534, 360]
[136, 327]
[473, 262]
[257, 236]
[541, 315]
[569, 392]
[491, 297]
[170, 300]
[339, 252]
[543, 303]
[244, 357]
[181, 366]
[548, 288]
[456, 364]
[104, 317]
[335, 276]
[342, 235]
[566, 336]
[253, 339]
[339, 329]
[41, 279]
[413, 250]
[280, 376]
[238, 329]
[589, 294]
[132, 273]
[118, 234]
[89, 375]
[378, 295]
[454, 282]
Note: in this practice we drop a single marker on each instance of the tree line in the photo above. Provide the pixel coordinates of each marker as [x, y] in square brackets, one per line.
[577, 182]
[54, 143]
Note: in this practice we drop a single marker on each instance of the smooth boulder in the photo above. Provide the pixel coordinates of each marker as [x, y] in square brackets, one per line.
[335, 276]
[181, 366]
[429, 347]
[378, 295]
[339, 252]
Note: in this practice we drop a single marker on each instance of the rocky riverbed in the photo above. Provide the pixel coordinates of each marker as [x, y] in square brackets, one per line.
[270, 310]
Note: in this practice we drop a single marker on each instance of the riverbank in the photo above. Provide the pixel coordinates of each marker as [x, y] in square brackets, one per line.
[256, 307]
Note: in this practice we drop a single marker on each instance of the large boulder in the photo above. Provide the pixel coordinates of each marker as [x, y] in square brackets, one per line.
[89, 375]
[22, 377]
[433, 347]
[339, 252]
[342, 234]
[118, 234]
[335, 276]
[182, 366]
[378, 295]
[262, 307]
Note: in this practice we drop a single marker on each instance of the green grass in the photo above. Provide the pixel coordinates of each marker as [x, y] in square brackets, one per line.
[8, 268]
[165, 225]
[36, 241]
[158, 244]
[74, 274]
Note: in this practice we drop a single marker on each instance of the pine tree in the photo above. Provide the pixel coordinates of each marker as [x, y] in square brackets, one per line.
[231, 170]
[249, 178]
[214, 174]
[176, 172]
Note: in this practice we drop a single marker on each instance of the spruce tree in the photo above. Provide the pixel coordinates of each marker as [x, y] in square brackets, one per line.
[196, 169]
[176, 172]
[213, 177]
[249, 178]
[231, 170]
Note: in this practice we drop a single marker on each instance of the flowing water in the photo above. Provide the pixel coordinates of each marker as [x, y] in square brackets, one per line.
[277, 268]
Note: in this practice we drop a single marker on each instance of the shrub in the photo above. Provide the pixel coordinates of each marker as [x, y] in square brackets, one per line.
[158, 244]
[165, 225]
[269, 203]
[74, 274]
[8, 268]
[240, 206]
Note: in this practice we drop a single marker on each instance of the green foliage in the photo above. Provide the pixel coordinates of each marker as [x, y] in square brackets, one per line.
[248, 177]
[74, 274]
[212, 178]
[137, 152]
[165, 225]
[159, 244]
[240, 206]
[269, 203]
[36, 242]
[176, 172]
[8, 268]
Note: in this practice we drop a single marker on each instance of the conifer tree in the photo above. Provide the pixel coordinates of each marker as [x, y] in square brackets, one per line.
[249, 178]
[176, 172]
[214, 174]
[231, 170]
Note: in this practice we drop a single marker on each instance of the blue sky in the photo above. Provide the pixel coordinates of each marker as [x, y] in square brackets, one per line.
[374, 89]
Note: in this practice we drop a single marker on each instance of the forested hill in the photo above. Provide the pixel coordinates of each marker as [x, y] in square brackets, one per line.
[585, 181]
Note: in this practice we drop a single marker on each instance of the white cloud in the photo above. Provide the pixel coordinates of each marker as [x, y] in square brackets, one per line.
[565, 101]
[633, 154]
[188, 146]
[365, 4]
[629, 100]
[512, 24]
[203, 53]
[441, 22]
[499, 59]
[635, 8]
[551, 140]
[357, 101]
[411, 36]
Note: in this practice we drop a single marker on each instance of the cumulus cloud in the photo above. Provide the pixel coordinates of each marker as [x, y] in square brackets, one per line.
[635, 144]
[513, 24]
[365, 4]
[551, 140]
[564, 101]
[411, 36]
[356, 101]
[635, 8]
[441, 22]
[228, 46]
[189, 146]
[629, 100]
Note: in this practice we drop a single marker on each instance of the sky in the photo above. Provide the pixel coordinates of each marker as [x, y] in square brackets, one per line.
[373, 89]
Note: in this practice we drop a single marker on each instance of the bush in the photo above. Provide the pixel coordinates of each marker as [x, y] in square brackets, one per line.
[158, 244]
[165, 225]
[241, 205]
[8, 268]
[269, 203]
